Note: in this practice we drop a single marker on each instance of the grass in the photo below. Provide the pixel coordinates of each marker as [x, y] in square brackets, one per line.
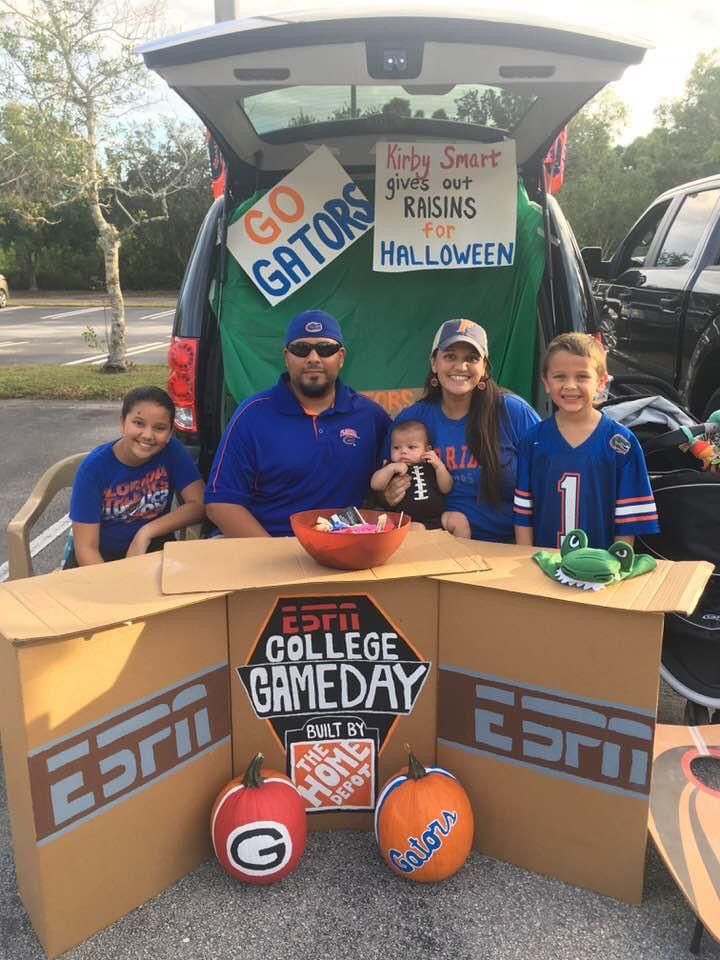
[51, 382]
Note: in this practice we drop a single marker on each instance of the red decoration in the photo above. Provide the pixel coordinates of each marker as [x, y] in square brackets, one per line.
[217, 166]
[555, 163]
[258, 826]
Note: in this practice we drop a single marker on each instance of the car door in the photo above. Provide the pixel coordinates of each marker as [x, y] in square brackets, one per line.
[658, 305]
[617, 297]
[652, 296]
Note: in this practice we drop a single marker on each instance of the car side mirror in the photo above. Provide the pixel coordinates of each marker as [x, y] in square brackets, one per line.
[594, 263]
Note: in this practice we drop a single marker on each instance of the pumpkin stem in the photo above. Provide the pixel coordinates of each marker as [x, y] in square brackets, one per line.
[415, 769]
[253, 777]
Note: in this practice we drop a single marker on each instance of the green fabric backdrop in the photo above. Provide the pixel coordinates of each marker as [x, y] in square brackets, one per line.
[389, 320]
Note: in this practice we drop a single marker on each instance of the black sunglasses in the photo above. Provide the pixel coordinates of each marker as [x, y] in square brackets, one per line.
[301, 348]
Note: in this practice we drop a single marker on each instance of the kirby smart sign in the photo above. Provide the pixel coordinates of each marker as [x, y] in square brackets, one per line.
[299, 226]
[332, 675]
[444, 205]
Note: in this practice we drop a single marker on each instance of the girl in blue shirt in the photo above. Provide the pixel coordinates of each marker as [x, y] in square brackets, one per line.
[123, 490]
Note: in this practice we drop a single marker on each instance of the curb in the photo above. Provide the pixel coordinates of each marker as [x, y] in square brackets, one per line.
[73, 300]
[160, 304]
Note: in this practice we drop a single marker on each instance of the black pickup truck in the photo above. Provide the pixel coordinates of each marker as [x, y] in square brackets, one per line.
[658, 297]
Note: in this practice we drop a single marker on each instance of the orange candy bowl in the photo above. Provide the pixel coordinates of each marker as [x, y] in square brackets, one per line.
[349, 551]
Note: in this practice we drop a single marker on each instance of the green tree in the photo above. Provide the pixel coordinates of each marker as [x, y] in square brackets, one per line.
[599, 196]
[72, 59]
[170, 159]
[38, 153]
[685, 143]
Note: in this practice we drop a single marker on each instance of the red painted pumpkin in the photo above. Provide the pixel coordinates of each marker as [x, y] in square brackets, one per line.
[423, 822]
[258, 825]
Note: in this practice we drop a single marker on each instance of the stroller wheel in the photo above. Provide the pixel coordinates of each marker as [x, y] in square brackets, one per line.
[696, 715]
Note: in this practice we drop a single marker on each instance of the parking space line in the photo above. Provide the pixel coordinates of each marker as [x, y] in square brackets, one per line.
[72, 313]
[14, 343]
[43, 540]
[157, 316]
[143, 348]
[134, 351]
[24, 306]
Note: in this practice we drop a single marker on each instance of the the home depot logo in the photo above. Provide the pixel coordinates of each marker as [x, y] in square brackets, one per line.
[75, 778]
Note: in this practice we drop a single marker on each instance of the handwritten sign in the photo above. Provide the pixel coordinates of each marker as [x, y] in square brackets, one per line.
[444, 205]
[303, 223]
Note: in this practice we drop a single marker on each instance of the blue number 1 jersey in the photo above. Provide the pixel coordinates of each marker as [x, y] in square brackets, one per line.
[600, 486]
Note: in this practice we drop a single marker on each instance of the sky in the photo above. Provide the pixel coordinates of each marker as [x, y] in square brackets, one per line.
[677, 31]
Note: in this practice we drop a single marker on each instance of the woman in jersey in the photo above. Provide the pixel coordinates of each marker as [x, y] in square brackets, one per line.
[476, 428]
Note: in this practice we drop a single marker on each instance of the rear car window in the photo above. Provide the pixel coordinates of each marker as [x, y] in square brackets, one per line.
[687, 228]
[478, 104]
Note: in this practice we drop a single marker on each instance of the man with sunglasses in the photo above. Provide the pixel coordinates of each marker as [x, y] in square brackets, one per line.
[307, 443]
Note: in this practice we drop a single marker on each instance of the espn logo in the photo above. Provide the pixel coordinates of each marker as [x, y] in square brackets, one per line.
[75, 778]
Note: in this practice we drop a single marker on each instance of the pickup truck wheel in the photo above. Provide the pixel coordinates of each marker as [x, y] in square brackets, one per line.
[3, 299]
[713, 404]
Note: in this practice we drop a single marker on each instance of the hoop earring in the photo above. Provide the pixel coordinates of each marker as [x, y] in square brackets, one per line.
[482, 385]
[434, 382]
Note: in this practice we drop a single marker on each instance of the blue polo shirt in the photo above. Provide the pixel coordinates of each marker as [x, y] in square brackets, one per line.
[274, 459]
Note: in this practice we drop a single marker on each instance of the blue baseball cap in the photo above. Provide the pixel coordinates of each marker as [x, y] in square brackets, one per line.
[313, 323]
[461, 331]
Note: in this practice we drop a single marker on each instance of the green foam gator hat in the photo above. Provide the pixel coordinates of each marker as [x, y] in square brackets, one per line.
[590, 568]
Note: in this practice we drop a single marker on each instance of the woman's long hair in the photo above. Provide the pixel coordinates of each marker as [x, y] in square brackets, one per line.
[482, 433]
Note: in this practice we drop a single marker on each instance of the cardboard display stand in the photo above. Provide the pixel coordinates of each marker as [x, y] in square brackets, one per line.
[115, 740]
[118, 702]
[546, 713]
[685, 816]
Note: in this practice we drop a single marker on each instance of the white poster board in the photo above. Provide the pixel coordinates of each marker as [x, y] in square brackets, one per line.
[444, 205]
[299, 226]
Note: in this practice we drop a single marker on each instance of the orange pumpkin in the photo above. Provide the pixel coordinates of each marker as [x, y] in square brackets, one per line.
[259, 825]
[423, 823]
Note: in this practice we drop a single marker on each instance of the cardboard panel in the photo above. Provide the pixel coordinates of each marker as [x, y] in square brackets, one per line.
[222, 564]
[105, 732]
[670, 587]
[72, 602]
[685, 816]
[547, 716]
[330, 683]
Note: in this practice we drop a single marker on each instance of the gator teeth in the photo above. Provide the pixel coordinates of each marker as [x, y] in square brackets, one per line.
[581, 584]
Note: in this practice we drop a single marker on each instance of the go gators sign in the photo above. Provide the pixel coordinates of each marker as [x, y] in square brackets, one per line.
[331, 675]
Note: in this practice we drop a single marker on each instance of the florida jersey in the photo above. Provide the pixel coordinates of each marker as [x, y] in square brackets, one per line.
[600, 486]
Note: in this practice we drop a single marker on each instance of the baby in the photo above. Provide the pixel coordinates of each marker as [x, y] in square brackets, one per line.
[411, 453]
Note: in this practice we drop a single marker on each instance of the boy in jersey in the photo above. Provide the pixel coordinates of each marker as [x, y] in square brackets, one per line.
[579, 469]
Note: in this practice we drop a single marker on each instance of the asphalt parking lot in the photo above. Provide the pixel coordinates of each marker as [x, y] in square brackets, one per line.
[78, 335]
[342, 901]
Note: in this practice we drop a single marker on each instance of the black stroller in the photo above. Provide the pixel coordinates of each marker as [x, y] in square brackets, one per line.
[688, 502]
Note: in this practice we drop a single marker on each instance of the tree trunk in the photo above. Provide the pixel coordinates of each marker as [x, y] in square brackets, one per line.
[109, 240]
[32, 271]
[117, 356]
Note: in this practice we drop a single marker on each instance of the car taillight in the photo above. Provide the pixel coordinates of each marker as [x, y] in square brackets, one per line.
[182, 363]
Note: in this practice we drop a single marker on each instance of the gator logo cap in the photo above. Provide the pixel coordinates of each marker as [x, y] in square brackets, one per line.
[313, 323]
[461, 331]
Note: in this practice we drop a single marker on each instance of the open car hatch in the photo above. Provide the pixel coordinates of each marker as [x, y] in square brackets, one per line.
[272, 88]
